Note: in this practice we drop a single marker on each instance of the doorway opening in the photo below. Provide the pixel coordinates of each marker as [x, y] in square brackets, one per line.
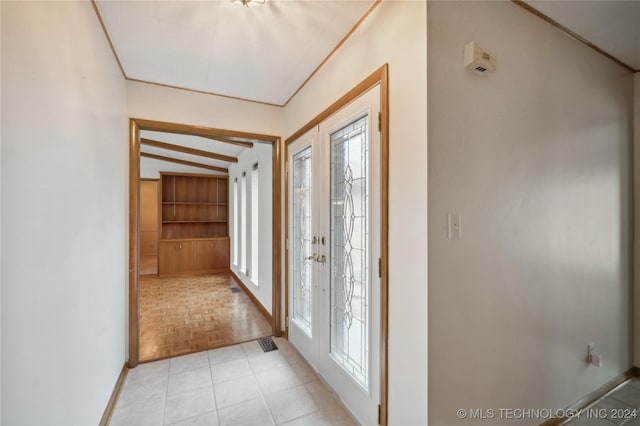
[193, 216]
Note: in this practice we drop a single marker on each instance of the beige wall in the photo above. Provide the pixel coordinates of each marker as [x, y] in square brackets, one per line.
[536, 158]
[64, 213]
[180, 106]
[395, 33]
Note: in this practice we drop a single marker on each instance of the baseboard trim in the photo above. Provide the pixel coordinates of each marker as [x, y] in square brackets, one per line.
[111, 405]
[252, 297]
[595, 396]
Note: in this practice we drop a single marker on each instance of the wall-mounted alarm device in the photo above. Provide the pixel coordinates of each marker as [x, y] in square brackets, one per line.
[477, 60]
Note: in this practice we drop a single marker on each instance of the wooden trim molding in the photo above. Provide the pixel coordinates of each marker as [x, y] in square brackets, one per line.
[378, 77]
[111, 405]
[366, 84]
[187, 150]
[134, 239]
[593, 397]
[572, 34]
[135, 126]
[188, 129]
[252, 296]
[106, 34]
[184, 162]
[384, 252]
[230, 141]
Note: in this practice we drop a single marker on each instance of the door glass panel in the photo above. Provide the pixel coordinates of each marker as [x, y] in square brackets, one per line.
[302, 267]
[350, 267]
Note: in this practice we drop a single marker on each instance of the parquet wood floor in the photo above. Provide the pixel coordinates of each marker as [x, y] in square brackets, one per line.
[184, 315]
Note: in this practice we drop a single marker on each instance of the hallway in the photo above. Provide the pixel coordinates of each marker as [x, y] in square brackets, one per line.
[179, 316]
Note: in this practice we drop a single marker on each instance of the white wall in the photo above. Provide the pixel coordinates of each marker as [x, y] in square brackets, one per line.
[262, 154]
[64, 180]
[395, 33]
[180, 106]
[536, 158]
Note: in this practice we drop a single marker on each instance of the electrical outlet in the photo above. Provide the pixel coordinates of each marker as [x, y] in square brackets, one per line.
[593, 358]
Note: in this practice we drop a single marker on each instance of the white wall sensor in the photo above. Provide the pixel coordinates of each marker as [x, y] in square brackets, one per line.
[477, 60]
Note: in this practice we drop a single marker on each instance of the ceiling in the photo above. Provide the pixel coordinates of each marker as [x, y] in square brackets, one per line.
[265, 53]
[210, 154]
[262, 53]
[613, 26]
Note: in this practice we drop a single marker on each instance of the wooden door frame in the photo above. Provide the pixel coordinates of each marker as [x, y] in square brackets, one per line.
[378, 77]
[135, 126]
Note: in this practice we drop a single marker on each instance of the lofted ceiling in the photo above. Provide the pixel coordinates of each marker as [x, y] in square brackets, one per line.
[262, 53]
[266, 53]
[613, 26]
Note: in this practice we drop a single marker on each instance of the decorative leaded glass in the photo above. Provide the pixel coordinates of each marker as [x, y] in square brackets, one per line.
[301, 241]
[350, 280]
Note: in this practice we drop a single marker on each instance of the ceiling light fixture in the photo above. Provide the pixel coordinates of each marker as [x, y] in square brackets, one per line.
[248, 3]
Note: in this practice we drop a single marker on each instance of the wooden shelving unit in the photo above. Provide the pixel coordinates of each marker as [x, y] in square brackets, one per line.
[194, 222]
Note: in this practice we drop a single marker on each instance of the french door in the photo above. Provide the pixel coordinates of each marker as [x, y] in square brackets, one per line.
[334, 251]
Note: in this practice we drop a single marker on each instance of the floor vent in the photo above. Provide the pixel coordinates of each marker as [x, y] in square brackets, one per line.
[235, 290]
[267, 344]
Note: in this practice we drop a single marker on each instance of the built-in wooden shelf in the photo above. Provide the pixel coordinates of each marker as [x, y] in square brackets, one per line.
[193, 203]
[194, 218]
[194, 221]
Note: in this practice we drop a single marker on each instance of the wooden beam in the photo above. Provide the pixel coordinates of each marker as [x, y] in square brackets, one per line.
[186, 150]
[186, 129]
[185, 162]
[230, 141]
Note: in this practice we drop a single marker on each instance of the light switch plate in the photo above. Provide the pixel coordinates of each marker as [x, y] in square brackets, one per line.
[454, 226]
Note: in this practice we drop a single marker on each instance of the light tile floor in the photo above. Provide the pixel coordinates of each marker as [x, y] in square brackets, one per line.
[235, 385]
[621, 407]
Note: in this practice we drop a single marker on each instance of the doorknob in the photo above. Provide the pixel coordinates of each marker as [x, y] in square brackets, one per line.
[320, 259]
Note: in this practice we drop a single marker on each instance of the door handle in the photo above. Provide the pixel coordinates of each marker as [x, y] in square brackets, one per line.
[320, 259]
